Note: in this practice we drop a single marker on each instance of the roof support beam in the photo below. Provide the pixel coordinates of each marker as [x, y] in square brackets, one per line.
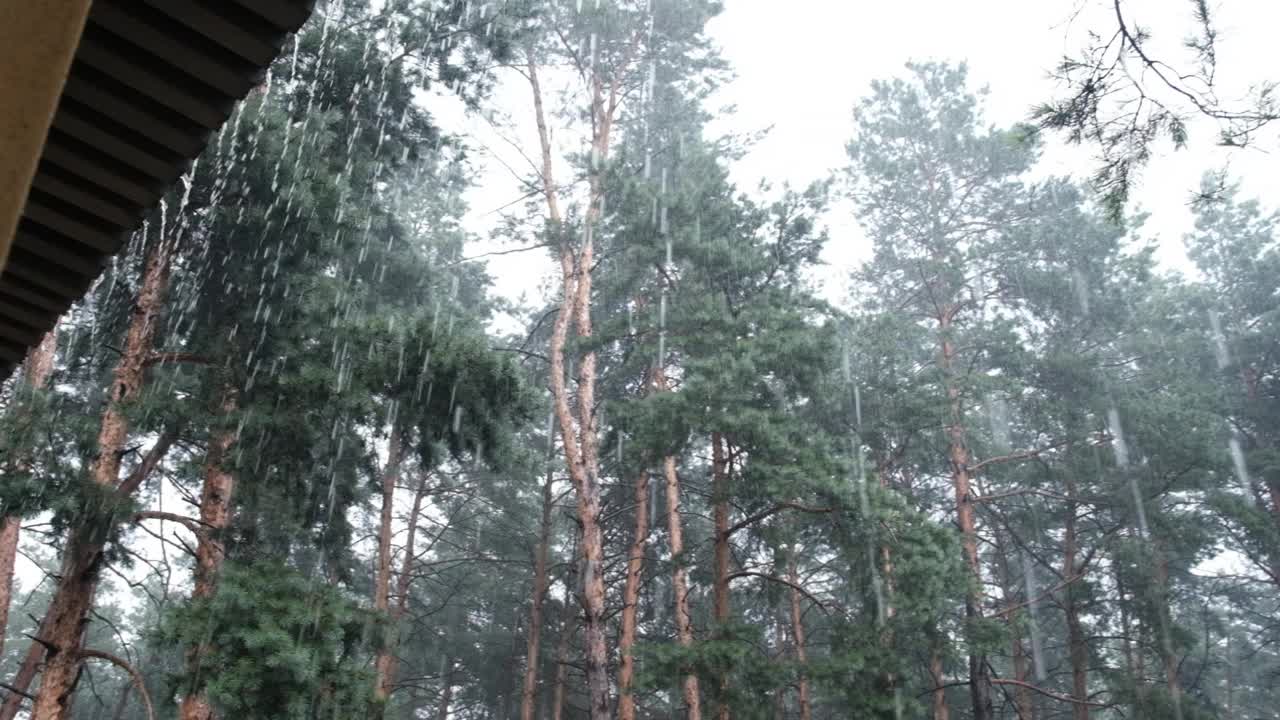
[38, 39]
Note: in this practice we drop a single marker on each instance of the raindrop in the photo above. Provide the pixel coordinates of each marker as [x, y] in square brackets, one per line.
[998, 416]
[1122, 461]
[1117, 437]
[1238, 461]
[1219, 340]
[1081, 287]
[1037, 653]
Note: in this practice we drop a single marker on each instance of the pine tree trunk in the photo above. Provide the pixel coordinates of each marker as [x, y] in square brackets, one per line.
[797, 636]
[958, 453]
[938, 705]
[403, 584]
[1167, 656]
[1250, 377]
[593, 629]
[122, 702]
[680, 584]
[1273, 489]
[1022, 701]
[887, 637]
[631, 599]
[890, 589]
[1133, 650]
[1140, 663]
[446, 691]
[562, 657]
[780, 620]
[215, 516]
[720, 584]
[1230, 672]
[36, 371]
[65, 619]
[1077, 649]
[533, 655]
[382, 580]
[579, 433]
[9, 527]
[22, 679]
[68, 611]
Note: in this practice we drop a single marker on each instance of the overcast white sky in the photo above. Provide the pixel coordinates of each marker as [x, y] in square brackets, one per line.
[802, 65]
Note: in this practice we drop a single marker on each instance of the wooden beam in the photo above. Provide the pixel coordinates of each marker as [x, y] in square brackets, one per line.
[38, 39]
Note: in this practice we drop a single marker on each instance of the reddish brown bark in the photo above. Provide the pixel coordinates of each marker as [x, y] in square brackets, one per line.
[36, 371]
[720, 518]
[215, 516]
[63, 627]
[958, 454]
[631, 599]
[797, 636]
[22, 679]
[382, 578]
[578, 431]
[680, 584]
[529, 693]
[938, 703]
[1023, 705]
[39, 364]
[8, 555]
[1077, 648]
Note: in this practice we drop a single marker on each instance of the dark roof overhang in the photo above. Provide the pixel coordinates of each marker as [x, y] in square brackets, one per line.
[149, 83]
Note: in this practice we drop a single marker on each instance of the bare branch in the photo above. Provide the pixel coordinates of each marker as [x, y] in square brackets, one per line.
[1022, 455]
[149, 462]
[782, 581]
[165, 358]
[753, 519]
[192, 524]
[1047, 693]
[138, 681]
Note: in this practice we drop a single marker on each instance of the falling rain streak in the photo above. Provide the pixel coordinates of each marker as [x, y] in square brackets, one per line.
[295, 429]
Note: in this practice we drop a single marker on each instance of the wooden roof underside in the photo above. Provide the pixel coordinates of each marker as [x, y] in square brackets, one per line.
[151, 82]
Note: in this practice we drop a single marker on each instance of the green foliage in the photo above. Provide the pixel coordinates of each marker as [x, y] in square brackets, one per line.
[277, 644]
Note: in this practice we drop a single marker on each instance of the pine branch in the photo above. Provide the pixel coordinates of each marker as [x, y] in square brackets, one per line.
[752, 519]
[1042, 596]
[149, 462]
[1021, 455]
[782, 581]
[164, 358]
[1047, 693]
[192, 524]
[15, 690]
[1015, 493]
[47, 645]
[138, 681]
